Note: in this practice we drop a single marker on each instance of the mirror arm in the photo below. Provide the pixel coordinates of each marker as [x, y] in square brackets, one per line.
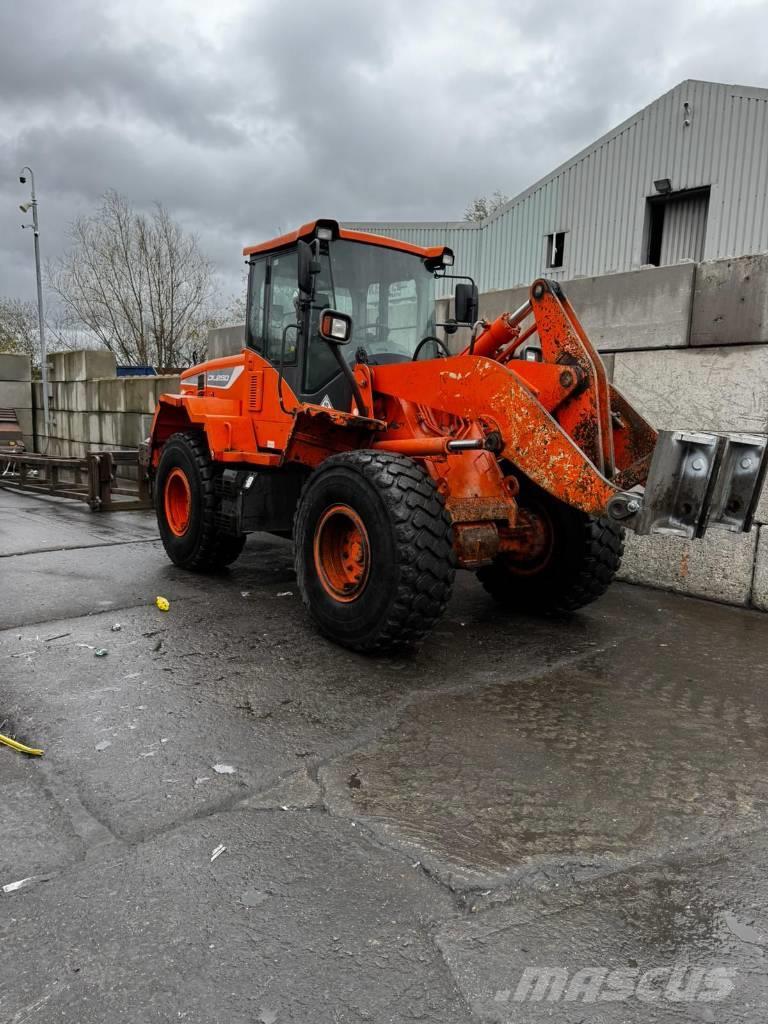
[457, 277]
[346, 369]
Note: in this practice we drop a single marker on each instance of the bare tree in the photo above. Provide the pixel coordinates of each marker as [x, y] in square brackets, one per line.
[482, 207]
[138, 282]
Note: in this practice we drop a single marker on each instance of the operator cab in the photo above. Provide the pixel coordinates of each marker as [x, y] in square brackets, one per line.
[385, 287]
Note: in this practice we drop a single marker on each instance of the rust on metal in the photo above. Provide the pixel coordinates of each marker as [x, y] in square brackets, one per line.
[470, 510]
[475, 544]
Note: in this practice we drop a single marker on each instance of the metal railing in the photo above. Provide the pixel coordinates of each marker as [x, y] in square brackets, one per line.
[92, 479]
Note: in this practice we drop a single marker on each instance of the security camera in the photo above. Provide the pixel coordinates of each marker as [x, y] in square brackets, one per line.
[23, 179]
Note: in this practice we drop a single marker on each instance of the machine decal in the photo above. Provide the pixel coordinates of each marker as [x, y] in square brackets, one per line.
[223, 378]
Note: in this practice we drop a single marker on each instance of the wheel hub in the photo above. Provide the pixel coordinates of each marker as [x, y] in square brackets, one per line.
[528, 547]
[177, 500]
[342, 553]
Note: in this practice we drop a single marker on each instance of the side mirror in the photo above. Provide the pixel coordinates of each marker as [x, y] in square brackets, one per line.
[335, 327]
[309, 265]
[466, 303]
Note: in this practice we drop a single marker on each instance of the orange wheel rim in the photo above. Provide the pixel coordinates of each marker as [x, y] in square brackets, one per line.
[178, 502]
[342, 553]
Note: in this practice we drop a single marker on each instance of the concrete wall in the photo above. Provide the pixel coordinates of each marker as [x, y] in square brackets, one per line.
[640, 309]
[92, 409]
[16, 392]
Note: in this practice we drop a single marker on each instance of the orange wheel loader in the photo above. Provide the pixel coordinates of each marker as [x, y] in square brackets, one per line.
[349, 424]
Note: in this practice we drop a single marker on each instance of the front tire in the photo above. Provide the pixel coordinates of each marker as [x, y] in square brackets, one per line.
[185, 504]
[570, 563]
[373, 550]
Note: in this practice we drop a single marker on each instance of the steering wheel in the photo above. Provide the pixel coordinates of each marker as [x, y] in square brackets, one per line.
[437, 341]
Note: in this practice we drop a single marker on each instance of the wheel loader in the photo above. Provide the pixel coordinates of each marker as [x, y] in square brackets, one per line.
[394, 449]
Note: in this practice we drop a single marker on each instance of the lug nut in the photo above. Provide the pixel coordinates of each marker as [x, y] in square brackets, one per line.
[633, 505]
[566, 379]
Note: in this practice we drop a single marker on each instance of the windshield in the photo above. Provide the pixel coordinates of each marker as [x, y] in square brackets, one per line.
[389, 294]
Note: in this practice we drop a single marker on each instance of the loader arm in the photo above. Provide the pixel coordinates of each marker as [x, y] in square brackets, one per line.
[504, 401]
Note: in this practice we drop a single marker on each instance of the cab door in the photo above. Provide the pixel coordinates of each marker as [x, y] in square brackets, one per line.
[279, 329]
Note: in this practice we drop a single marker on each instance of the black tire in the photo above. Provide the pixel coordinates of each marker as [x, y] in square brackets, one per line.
[582, 557]
[407, 556]
[202, 546]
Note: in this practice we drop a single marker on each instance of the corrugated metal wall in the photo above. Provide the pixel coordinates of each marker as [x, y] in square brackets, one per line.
[699, 134]
[462, 238]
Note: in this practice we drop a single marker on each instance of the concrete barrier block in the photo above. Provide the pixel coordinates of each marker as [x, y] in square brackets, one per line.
[93, 429]
[640, 309]
[59, 423]
[718, 567]
[138, 393]
[127, 430]
[730, 301]
[69, 395]
[84, 364]
[226, 341]
[24, 416]
[91, 395]
[14, 366]
[110, 395]
[15, 394]
[169, 384]
[716, 389]
[760, 582]
[109, 429]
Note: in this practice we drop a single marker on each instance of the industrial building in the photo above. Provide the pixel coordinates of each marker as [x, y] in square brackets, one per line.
[682, 179]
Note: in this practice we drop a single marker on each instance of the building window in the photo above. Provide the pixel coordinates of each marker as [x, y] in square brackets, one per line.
[555, 249]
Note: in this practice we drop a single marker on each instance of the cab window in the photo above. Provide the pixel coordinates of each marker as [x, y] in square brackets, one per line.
[257, 290]
[282, 314]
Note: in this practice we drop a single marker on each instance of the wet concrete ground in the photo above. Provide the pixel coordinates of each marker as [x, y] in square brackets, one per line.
[407, 838]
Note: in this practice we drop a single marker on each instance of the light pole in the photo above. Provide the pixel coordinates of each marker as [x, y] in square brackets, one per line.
[25, 207]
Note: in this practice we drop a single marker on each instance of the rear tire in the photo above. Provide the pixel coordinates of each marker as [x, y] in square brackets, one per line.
[185, 504]
[373, 550]
[574, 567]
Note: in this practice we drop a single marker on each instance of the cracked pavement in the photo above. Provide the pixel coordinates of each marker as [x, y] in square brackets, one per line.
[404, 836]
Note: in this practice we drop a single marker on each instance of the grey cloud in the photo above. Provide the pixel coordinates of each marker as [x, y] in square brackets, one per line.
[396, 111]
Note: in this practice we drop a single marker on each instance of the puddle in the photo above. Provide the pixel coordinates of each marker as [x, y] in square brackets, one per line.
[599, 759]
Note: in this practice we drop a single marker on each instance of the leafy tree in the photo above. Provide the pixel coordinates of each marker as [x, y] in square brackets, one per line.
[482, 207]
[19, 331]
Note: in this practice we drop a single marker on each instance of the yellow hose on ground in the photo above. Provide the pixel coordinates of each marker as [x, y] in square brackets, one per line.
[22, 749]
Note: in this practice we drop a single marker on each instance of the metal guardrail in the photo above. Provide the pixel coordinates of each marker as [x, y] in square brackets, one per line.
[92, 479]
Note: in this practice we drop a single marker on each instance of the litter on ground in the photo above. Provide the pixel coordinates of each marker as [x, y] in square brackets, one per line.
[218, 852]
[13, 886]
[163, 603]
[224, 769]
[21, 747]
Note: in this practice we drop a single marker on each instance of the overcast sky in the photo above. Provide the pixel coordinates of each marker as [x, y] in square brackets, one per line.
[247, 118]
